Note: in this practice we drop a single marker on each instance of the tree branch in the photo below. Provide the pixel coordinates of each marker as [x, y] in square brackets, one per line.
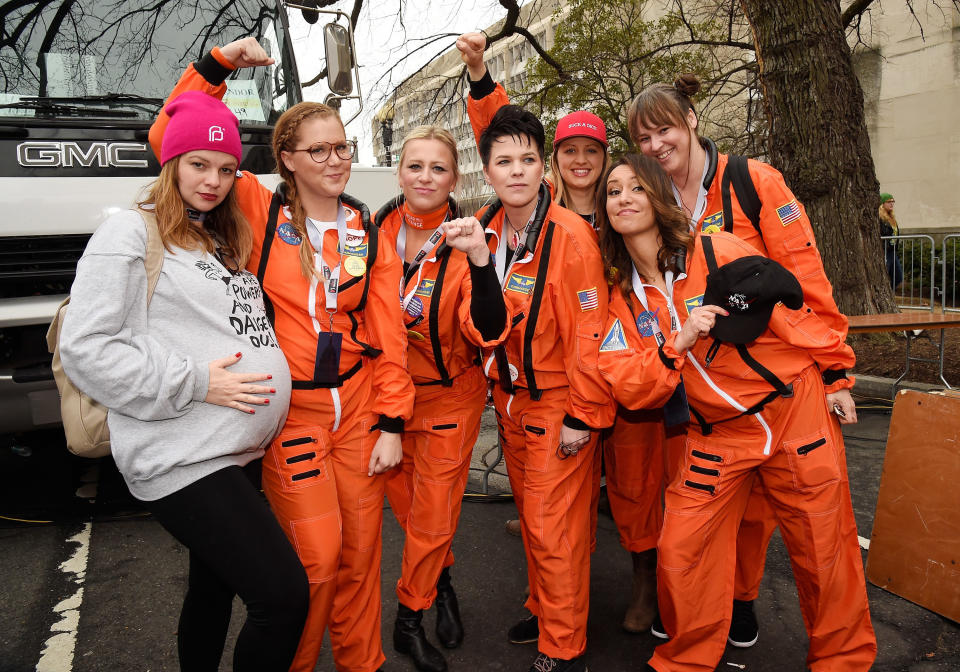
[856, 8]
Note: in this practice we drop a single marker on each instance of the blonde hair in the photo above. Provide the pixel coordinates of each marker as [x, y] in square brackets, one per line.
[225, 223]
[284, 137]
[431, 132]
[890, 219]
[661, 104]
[560, 189]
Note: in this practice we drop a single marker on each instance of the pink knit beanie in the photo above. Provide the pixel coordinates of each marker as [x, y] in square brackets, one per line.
[199, 121]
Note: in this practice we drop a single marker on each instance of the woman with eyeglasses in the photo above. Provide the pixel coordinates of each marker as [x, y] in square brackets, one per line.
[190, 417]
[331, 287]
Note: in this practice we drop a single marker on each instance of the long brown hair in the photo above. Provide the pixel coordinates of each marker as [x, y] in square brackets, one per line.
[663, 104]
[284, 137]
[672, 224]
[225, 225]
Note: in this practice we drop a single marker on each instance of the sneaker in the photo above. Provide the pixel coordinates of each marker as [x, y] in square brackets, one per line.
[545, 663]
[526, 631]
[657, 629]
[743, 625]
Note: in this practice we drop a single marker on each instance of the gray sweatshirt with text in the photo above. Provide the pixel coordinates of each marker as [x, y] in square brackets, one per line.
[149, 367]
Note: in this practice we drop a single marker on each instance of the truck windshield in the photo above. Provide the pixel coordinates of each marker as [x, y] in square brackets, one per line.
[116, 60]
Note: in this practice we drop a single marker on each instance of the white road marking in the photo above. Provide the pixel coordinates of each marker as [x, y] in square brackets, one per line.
[57, 654]
[864, 543]
[58, 650]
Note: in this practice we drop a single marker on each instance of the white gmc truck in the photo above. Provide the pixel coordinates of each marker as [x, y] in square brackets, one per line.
[80, 83]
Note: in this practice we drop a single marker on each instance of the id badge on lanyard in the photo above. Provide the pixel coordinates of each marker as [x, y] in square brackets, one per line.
[676, 411]
[329, 343]
[416, 264]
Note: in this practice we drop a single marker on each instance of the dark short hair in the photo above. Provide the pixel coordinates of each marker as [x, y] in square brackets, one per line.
[515, 122]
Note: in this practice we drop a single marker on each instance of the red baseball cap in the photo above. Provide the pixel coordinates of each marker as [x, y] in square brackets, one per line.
[581, 124]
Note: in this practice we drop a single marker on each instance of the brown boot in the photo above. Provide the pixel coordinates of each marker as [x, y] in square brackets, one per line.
[643, 601]
[513, 527]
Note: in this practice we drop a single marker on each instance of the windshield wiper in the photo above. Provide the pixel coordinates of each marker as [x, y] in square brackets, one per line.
[67, 105]
[65, 110]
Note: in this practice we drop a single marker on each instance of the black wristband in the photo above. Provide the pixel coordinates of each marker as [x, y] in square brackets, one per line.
[667, 362]
[211, 69]
[830, 376]
[388, 424]
[482, 87]
[487, 308]
[576, 423]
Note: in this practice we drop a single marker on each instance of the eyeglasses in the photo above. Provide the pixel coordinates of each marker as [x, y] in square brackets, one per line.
[320, 152]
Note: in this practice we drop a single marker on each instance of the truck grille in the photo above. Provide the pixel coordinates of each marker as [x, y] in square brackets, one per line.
[39, 265]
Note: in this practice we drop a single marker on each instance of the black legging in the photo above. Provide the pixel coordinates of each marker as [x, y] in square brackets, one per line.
[236, 548]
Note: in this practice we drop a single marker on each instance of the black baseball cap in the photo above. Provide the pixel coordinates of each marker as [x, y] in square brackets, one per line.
[748, 288]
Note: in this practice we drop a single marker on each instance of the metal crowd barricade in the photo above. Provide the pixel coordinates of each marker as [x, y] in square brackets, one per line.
[916, 255]
[950, 276]
[912, 273]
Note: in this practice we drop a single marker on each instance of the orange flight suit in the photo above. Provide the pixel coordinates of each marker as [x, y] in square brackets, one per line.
[793, 245]
[632, 451]
[789, 445]
[557, 296]
[315, 472]
[426, 492]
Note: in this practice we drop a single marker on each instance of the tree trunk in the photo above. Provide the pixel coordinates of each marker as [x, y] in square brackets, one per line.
[819, 141]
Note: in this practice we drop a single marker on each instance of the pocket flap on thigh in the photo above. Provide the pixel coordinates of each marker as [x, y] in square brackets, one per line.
[813, 461]
[299, 456]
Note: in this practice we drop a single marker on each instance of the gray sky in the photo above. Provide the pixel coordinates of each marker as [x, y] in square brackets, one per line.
[385, 33]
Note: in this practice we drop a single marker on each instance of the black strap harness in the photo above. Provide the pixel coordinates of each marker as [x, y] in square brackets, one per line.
[443, 253]
[780, 389]
[737, 174]
[279, 198]
[528, 245]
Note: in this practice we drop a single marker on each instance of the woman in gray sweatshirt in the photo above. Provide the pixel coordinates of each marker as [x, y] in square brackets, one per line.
[196, 388]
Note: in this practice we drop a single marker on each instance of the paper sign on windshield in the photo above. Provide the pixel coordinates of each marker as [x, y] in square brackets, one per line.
[243, 99]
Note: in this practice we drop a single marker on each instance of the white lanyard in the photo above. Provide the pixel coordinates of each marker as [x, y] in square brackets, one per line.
[642, 295]
[331, 277]
[427, 248]
[701, 205]
[501, 257]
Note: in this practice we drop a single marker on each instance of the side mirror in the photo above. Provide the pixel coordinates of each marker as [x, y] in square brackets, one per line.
[339, 53]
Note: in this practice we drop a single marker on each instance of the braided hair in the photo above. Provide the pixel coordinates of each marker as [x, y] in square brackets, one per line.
[284, 138]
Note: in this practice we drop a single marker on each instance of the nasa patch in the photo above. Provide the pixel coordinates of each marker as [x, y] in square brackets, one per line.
[288, 234]
[645, 322]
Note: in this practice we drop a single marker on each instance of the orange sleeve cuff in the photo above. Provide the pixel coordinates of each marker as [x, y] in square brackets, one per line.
[221, 59]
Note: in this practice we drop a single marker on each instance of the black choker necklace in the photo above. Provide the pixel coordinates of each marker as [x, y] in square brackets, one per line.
[195, 215]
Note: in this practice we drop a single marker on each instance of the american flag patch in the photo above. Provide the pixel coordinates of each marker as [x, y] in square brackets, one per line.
[789, 212]
[588, 298]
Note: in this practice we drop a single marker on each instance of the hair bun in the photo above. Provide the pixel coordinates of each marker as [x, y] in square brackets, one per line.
[687, 85]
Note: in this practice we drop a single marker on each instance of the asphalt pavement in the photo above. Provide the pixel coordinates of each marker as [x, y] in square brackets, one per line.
[89, 582]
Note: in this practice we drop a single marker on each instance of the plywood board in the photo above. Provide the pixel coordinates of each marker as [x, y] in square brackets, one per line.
[915, 546]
